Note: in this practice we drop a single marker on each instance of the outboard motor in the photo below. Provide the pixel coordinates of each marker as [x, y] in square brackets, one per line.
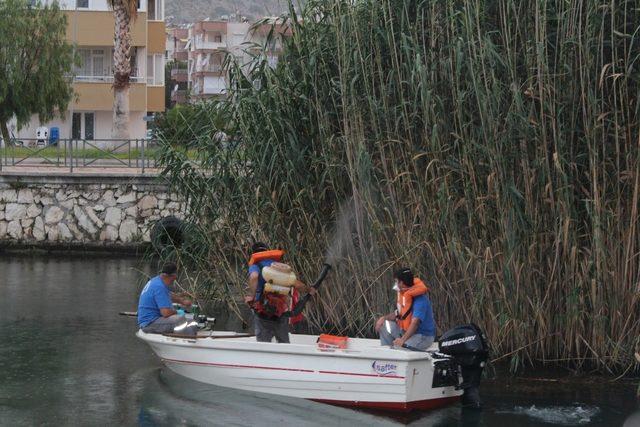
[467, 346]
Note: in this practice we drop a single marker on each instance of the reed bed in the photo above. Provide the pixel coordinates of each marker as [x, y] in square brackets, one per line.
[493, 146]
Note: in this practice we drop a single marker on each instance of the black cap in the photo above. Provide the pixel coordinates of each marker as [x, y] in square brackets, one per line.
[405, 275]
[259, 247]
[169, 268]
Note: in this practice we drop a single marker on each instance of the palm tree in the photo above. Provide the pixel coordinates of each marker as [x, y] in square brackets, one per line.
[125, 12]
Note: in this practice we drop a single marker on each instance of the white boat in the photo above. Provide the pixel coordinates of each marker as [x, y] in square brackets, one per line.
[365, 374]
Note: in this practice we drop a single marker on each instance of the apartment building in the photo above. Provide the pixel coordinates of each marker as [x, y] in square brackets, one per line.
[209, 42]
[205, 45]
[90, 25]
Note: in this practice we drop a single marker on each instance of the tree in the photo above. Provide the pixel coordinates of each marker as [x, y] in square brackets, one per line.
[35, 63]
[125, 12]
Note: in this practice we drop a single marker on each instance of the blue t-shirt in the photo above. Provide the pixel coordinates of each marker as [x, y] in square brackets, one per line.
[257, 268]
[422, 310]
[154, 296]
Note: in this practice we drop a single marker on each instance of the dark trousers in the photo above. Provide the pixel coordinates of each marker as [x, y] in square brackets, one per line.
[266, 329]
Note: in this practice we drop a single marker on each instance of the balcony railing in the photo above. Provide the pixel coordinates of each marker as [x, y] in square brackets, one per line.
[216, 69]
[106, 76]
[104, 79]
[209, 91]
[176, 72]
[207, 45]
[180, 55]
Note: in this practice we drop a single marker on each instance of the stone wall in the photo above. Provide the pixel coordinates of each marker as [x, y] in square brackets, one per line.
[83, 209]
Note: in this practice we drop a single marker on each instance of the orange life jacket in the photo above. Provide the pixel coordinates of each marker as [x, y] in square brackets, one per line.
[274, 254]
[405, 303]
[269, 304]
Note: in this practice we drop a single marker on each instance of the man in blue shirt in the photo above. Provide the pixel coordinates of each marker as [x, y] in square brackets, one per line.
[155, 307]
[414, 325]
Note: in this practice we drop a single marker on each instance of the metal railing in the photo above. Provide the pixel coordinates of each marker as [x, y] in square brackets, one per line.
[212, 68]
[75, 154]
[104, 79]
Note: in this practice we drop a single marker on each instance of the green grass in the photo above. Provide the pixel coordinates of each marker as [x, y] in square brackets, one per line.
[88, 153]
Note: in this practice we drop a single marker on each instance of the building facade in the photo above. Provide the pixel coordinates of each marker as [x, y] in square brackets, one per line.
[198, 55]
[90, 27]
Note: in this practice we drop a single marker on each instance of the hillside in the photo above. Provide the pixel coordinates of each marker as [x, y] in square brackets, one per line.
[185, 11]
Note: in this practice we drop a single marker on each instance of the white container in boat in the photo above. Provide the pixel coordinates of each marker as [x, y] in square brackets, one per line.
[277, 276]
[282, 290]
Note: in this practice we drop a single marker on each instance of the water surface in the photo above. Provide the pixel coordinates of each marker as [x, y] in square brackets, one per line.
[67, 358]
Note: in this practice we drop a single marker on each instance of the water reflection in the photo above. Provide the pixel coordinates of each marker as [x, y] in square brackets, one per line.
[632, 420]
[173, 400]
[66, 355]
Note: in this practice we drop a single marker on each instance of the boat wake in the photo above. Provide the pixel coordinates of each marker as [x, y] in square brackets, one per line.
[560, 415]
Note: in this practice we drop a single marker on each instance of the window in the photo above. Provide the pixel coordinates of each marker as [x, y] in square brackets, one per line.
[89, 126]
[155, 70]
[149, 69]
[154, 10]
[82, 4]
[85, 63]
[97, 63]
[80, 126]
[214, 38]
[76, 123]
[159, 70]
[135, 73]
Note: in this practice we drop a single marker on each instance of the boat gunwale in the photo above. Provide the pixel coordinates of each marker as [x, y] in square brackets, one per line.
[279, 348]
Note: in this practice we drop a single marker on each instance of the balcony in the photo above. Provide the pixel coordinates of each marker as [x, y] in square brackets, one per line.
[98, 96]
[209, 26]
[208, 91]
[180, 33]
[209, 95]
[179, 74]
[204, 45]
[180, 55]
[104, 79]
[199, 90]
[215, 70]
[96, 65]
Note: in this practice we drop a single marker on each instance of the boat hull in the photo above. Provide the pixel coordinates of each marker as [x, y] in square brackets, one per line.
[364, 375]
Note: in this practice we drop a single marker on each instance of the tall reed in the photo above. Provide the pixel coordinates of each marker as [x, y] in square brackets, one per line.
[492, 145]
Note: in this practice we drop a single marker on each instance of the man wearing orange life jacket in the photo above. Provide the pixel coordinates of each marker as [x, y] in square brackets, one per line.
[412, 323]
[268, 307]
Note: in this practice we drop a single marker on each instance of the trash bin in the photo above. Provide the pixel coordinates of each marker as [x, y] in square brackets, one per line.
[54, 135]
